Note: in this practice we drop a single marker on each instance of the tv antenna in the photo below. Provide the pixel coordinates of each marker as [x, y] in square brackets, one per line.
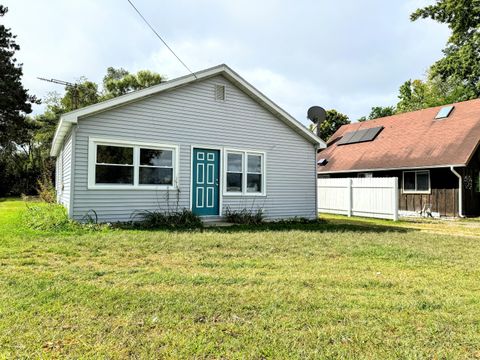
[73, 86]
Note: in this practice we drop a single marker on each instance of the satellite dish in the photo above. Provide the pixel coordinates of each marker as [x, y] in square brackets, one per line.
[316, 114]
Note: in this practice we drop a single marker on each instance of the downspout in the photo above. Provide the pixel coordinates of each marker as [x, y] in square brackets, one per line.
[316, 181]
[460, 191]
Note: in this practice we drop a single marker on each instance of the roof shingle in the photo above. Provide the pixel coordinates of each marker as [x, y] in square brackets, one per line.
[409, 140]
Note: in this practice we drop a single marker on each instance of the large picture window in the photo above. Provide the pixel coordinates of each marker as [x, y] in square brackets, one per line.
[120, 164]
[416, 181]
[244, 173]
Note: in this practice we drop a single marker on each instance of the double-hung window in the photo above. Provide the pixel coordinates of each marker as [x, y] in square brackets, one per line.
[244, 173]
[416, 182]
[115, 164]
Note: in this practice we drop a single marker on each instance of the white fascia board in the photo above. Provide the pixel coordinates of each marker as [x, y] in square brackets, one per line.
[73, 116]
[388, 169]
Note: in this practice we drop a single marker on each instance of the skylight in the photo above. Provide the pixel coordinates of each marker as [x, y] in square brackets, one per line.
[444, 112]
[359, 136]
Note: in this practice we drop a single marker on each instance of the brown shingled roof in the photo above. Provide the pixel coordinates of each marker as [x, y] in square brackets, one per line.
[409, 140]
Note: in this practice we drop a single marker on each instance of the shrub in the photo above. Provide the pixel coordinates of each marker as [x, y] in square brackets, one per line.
[43, 216]
[184, 219]
[245, 216]
[46, 190]
[54, 217]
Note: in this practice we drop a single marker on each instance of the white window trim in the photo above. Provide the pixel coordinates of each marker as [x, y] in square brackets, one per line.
[245, 154]
[416, 191]
[92, 156]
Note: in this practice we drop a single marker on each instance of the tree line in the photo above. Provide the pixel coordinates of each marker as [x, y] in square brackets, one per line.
[25, 140]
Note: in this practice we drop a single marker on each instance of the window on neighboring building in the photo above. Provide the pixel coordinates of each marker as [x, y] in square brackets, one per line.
[118, 164]
[365, 175]
[477, 187]
[416, 181]
[244, 173]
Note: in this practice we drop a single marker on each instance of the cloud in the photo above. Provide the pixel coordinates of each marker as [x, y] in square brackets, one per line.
[348, 55]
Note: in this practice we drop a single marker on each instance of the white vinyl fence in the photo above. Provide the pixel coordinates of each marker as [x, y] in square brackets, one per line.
[370, 197]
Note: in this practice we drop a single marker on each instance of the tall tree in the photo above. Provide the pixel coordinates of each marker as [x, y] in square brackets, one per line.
[418, 94]
[461, 59]
[332, 123]
[15, 102]
[379, 112]
[119, 81]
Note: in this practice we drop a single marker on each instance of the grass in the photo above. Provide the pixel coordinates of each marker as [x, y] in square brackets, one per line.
[338, 289]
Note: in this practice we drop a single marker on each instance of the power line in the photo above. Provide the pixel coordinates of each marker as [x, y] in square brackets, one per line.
[163, 41]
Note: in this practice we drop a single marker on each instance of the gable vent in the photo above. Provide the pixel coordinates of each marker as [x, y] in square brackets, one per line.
[220, 92]
[444, 112]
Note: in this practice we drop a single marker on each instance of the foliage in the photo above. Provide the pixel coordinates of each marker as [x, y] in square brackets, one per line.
[379, 112]
[418, 94]
[338, 290]
[332, 123]
[244, 216]
[15, 102]
[119, 81]
[184, 219]
[52, 217]
[461, 61]
[46, 190]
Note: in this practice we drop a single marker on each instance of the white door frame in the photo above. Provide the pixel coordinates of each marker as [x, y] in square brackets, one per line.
[220, 175]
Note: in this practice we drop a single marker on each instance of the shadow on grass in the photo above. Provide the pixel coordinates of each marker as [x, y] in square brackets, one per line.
[320, 226]
[323, 226]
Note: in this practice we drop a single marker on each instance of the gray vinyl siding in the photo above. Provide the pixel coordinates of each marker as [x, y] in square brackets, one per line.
[64, 172]
[190, 116]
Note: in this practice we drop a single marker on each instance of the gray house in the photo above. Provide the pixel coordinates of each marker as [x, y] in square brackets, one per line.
[206, 142]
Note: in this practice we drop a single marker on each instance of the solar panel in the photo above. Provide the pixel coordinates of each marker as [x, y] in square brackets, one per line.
[362, 135]
[444, 112]
[372, 133]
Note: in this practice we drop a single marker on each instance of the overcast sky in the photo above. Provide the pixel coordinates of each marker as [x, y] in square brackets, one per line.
[347, 55]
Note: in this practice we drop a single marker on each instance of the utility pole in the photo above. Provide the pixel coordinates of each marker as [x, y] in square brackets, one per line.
[66, 84]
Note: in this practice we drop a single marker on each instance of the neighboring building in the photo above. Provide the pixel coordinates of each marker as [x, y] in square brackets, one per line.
[434, 153]
[206, 142]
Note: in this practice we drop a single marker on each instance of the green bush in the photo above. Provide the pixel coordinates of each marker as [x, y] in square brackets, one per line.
[44, 216]
[245, 216]
[54, 217]
[184, 219]
[46, 190]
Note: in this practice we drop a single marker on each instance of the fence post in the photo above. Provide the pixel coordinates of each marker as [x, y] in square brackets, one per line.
[349, 197]
[395, 199]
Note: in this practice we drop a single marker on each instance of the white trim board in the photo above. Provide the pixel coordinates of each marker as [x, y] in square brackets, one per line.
[388, 169]
[66, 120]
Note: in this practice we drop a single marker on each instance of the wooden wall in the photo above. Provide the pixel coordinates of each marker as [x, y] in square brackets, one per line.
[443, 197]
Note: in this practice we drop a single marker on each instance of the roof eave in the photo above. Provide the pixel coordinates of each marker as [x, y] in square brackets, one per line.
[387, 169]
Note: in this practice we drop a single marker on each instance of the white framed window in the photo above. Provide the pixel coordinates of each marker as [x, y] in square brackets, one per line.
[416, 182]
[365, 175]
[244, 173]
[120, 164]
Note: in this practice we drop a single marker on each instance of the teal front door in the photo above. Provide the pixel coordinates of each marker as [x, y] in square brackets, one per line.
[205, 187]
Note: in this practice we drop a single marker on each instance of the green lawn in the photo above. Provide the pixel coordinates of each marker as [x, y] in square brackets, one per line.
[342, 289]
